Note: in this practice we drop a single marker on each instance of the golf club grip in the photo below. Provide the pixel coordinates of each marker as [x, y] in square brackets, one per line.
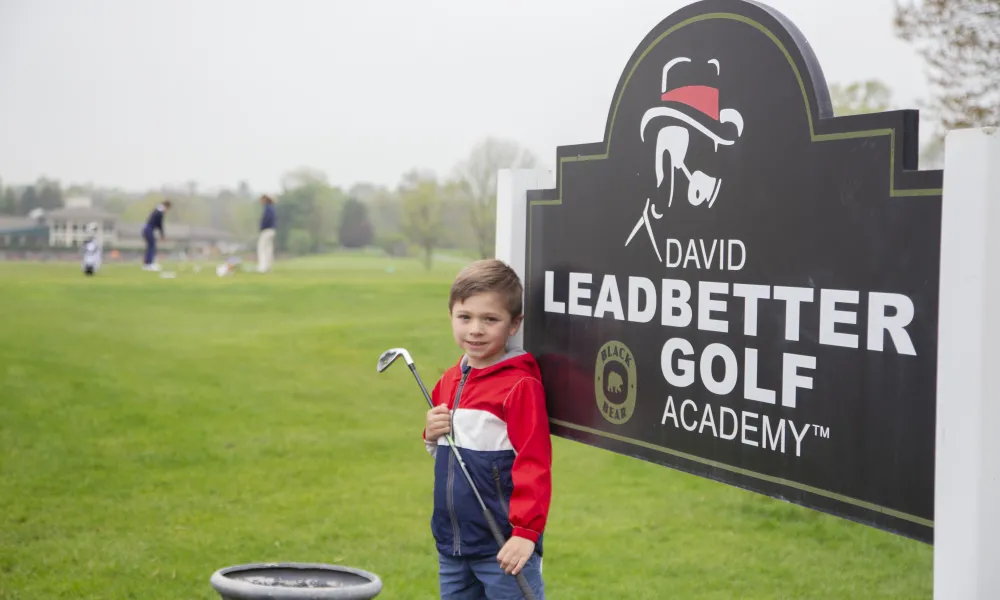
[522, 582]
[420, 382]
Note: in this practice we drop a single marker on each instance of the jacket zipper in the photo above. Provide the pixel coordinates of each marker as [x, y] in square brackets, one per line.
[503, 503]
[457, 546]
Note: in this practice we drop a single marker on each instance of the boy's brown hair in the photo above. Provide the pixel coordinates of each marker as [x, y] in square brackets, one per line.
[489, 275]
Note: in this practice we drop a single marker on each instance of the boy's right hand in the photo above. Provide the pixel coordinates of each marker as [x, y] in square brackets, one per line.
[438, 422]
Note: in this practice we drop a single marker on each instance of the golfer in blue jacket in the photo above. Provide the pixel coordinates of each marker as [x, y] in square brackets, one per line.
[154, 222]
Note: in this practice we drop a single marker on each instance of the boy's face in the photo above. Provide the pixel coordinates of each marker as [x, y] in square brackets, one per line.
[481, 325]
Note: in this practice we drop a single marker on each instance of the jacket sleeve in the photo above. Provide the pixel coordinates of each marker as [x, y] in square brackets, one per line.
[528, 430]
[432, 446]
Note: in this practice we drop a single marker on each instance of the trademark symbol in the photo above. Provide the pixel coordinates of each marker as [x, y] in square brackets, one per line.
[823, 432]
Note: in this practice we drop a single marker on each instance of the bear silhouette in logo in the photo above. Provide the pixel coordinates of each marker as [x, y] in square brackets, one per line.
[615, 382]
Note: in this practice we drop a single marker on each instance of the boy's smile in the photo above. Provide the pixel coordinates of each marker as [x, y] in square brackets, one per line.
[481, 325]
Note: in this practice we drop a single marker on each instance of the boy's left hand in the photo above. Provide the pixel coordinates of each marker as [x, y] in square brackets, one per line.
[514, 554]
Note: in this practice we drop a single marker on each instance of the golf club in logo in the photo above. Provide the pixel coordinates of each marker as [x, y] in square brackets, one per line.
[685, 111]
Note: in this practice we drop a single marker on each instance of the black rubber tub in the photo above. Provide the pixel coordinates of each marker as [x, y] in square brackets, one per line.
[295, 581]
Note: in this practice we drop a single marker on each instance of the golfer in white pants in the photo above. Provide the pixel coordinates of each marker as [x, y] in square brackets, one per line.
[265, 241]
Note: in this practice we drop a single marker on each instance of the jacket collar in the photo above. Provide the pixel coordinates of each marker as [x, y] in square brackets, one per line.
[509, 353]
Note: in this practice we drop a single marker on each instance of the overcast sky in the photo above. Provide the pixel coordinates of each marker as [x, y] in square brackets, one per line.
[142, 93]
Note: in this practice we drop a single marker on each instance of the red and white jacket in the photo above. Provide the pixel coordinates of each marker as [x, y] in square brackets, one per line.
[500, 426]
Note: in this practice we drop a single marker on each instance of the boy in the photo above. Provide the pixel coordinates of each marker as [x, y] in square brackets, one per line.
[493, 404]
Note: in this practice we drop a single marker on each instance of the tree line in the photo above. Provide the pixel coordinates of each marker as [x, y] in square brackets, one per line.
[46, 194]
[423, 212]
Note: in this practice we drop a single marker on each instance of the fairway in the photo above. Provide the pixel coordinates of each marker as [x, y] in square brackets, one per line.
[154, 430]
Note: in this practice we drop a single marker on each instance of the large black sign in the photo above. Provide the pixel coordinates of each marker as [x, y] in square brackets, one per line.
[736, 284]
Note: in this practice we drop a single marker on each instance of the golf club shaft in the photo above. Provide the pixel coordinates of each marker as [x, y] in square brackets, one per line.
[522, 582]
[413, 369]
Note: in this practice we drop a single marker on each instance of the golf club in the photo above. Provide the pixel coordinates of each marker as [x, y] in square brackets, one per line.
[387, 358]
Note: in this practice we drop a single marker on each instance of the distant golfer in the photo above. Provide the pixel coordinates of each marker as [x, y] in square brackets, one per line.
[154, 222]
[265, 242]
[91, 251]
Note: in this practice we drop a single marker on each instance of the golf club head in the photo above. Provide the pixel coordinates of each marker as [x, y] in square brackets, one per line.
[389, 356]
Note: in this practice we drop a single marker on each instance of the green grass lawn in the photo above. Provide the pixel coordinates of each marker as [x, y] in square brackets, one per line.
[154, 430]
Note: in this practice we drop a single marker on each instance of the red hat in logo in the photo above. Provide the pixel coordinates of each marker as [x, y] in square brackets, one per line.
[706, 115]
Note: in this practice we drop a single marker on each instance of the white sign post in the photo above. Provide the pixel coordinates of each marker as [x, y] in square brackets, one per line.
[967, 470]
[512, 222]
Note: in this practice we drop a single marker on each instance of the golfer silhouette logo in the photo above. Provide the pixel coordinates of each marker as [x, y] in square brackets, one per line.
[685, 111]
